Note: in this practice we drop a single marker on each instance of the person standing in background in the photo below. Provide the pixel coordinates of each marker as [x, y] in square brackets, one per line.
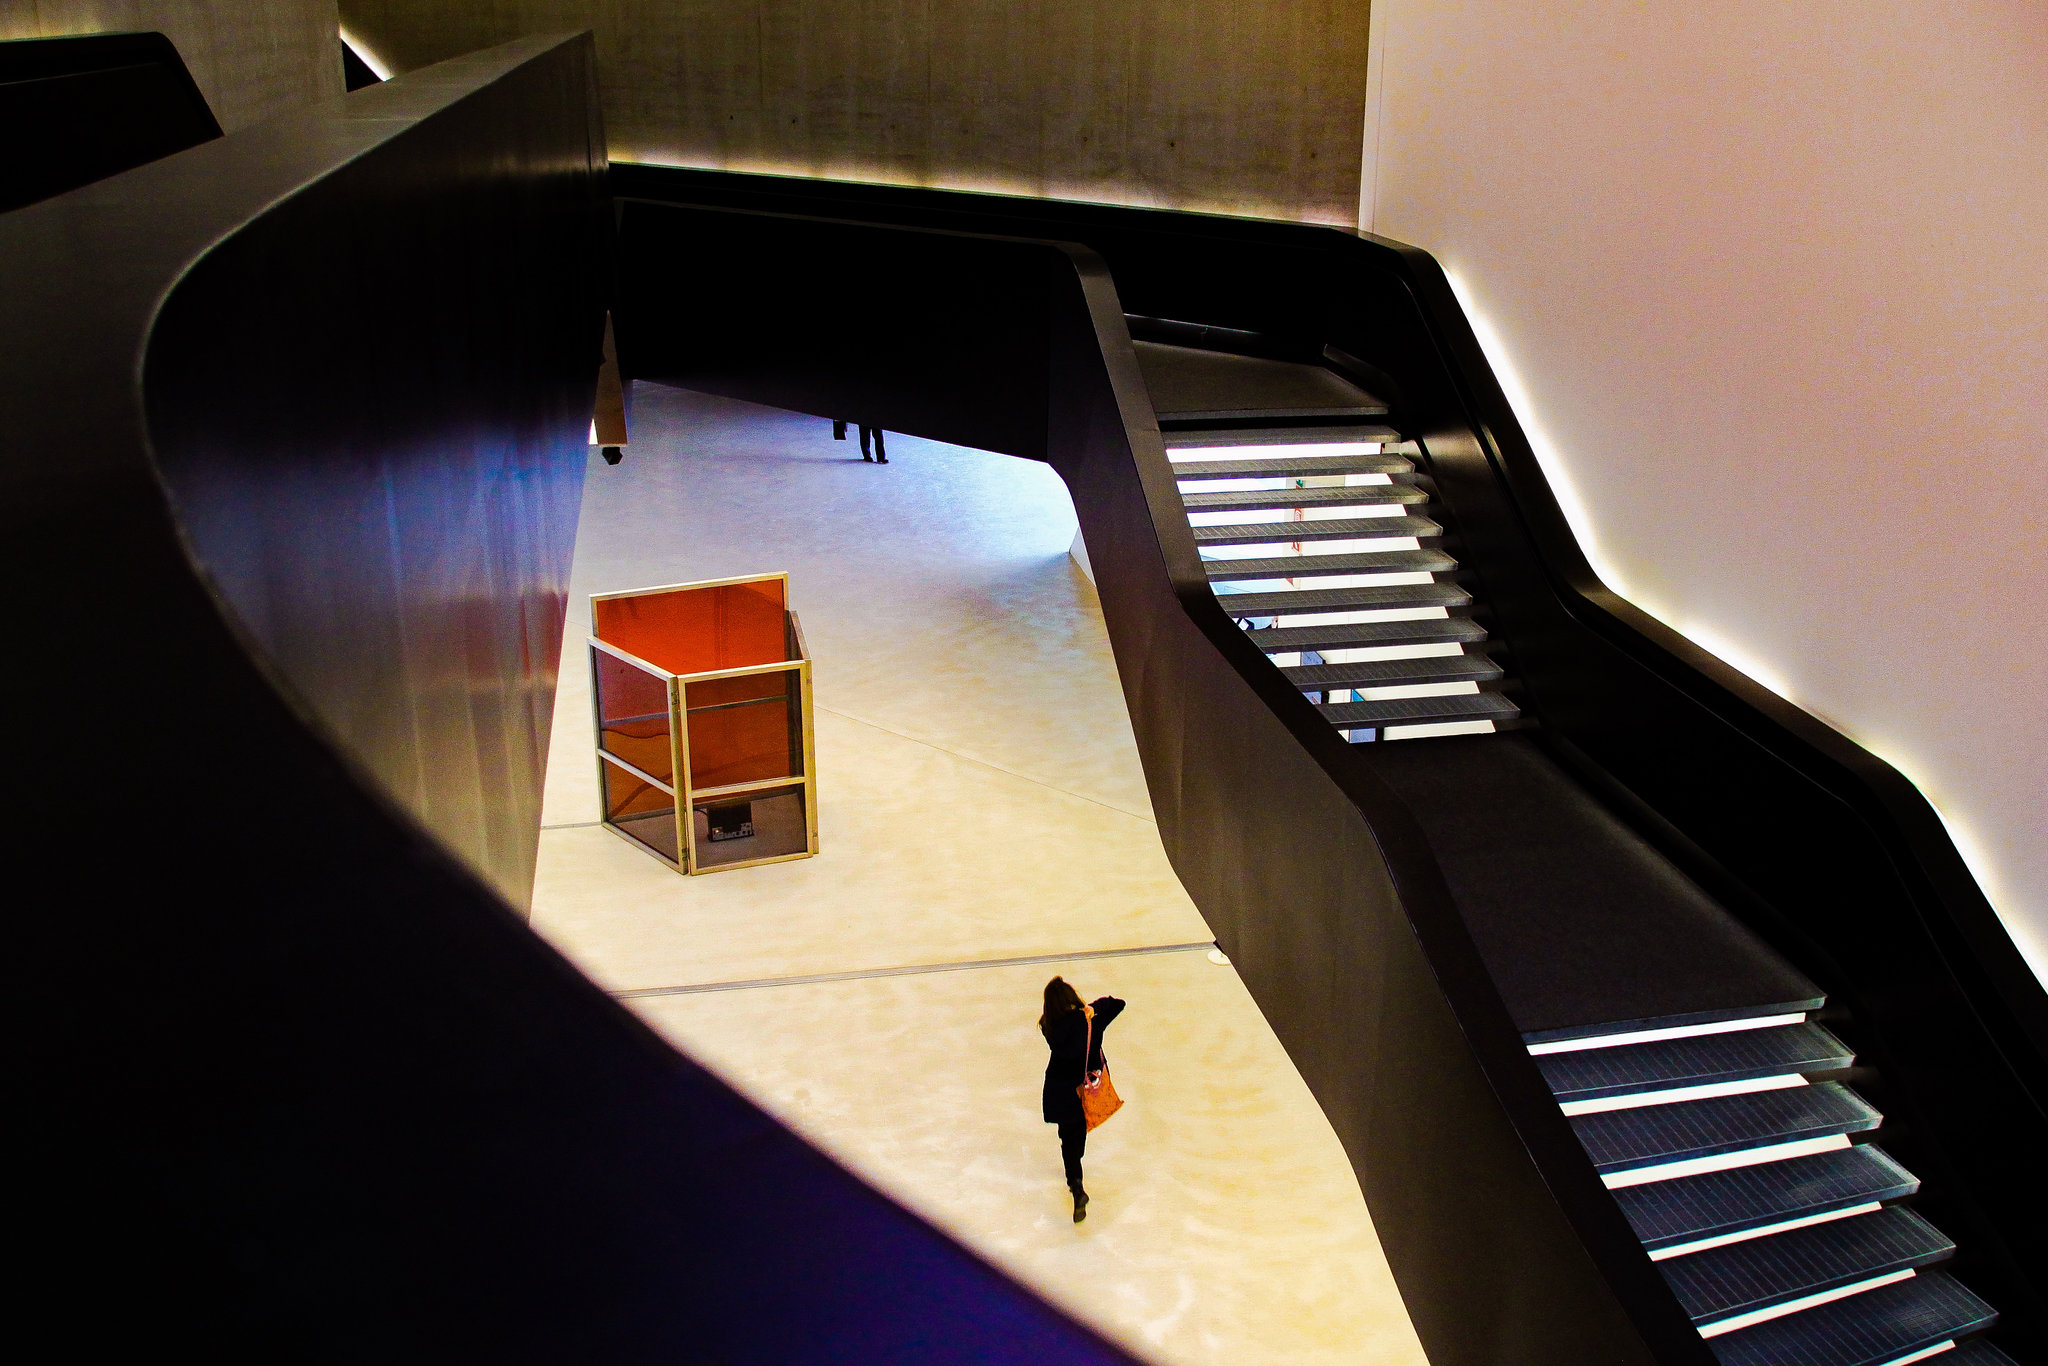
[867, 433]
[1073, 1033]
[608, 422]
[881, 455]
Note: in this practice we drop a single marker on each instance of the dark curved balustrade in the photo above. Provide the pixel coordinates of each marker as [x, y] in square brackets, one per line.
[393, 523]
[80, 108]
[290, 440]
[876, 302]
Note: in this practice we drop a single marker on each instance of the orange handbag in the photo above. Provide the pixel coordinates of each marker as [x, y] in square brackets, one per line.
[1099, 1099]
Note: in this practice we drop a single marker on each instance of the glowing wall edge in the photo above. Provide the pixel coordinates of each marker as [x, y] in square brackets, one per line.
[1087, 192]
[1576, 513]
[364, 55]
[1736, 656]
[1375, 88]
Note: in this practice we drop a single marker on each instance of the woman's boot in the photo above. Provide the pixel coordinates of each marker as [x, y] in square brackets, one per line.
[1080, 1203]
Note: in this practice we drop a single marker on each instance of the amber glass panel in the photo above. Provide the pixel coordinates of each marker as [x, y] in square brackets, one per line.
[780, 829]
[632, 715]
[725, 692]
[744, 744]
[628, 794]
[642, 810]
[699, 630]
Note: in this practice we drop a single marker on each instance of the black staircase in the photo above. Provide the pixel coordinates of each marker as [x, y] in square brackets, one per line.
[1741, 1166]
[1321, 537]
[1776, 1225]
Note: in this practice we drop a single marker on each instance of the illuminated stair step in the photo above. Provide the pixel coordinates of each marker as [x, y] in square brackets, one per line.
[1623, 1140]
[1286, 500]
[1603, 1072]
[1290, 602]
[1360, 635]
[1383, 673]
[1331, 434]
[1238, 418]
[1482, 706]
[1735, 1322]
[1692, 1025]
[1745, 1277]
[1672, 1095]
[1336, 529]
[1671, 1216]
[1870, 1329]
[1329, 566]
[1399, 468]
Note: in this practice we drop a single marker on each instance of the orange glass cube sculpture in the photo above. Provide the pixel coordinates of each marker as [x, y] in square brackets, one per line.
[702, 693]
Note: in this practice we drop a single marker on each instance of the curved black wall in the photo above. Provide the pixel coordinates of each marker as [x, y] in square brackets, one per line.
[393, 521]
[287, 1079]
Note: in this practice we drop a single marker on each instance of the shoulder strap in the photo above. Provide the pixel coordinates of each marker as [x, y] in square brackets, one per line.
[1087, 1042]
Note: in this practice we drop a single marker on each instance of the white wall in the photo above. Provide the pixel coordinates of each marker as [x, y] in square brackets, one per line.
[1772, 280]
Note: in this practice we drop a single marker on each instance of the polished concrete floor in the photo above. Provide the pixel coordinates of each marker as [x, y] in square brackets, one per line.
[983, 824]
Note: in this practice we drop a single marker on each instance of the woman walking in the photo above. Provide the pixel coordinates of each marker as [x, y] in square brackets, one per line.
[1073, 1032]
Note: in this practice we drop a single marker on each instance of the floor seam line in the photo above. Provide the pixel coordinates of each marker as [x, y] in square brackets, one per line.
[908, 970]
[1040, 782]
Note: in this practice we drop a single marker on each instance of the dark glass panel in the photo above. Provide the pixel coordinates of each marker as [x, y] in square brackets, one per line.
[632, 716]
[642, 810]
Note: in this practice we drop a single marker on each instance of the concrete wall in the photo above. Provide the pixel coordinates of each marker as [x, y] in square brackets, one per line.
[1199, 104]
[1772, 282]
[252, 58]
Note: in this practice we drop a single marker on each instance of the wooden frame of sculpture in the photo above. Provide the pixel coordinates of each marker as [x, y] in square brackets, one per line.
[701, 699]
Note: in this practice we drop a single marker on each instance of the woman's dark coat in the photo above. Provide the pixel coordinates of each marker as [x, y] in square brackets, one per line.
[1065, 1036]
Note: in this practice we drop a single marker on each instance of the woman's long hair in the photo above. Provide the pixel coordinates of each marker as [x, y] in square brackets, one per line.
[1060, 999]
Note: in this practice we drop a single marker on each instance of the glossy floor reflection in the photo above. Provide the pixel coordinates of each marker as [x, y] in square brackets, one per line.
[980, 803]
